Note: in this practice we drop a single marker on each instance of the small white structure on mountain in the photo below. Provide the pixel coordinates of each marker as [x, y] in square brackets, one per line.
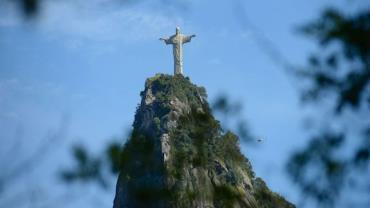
[177, 41]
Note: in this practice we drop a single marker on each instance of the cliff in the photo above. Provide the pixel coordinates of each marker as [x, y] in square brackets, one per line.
[178, 155]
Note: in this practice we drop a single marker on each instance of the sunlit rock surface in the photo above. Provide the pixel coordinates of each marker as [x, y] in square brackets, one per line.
[178, 155]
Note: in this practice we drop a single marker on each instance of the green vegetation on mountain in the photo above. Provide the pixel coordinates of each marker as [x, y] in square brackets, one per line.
[179, 156]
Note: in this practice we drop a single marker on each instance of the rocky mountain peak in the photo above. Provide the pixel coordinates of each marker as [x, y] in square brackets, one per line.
[179, 156]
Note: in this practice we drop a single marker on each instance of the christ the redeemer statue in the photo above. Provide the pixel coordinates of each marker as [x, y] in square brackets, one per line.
[177, 40]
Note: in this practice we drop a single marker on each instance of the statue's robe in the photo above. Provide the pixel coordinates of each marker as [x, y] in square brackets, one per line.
[177, 41]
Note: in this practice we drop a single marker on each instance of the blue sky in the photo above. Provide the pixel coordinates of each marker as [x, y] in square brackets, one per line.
[87, 63]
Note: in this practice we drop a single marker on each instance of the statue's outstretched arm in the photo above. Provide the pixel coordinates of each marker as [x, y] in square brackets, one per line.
[188, 38]
[166, 40]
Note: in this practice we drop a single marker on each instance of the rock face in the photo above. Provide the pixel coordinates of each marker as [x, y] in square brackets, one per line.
[178, 155]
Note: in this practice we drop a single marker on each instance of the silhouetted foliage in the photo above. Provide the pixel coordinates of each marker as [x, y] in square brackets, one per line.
[87, 168]
[350, 37]
[338, 76]
[91, 168]
[324, 184]
[30, 7]
[231, 110]
[114, 153]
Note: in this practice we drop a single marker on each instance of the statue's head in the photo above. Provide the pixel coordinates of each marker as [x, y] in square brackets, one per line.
[177, 30]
